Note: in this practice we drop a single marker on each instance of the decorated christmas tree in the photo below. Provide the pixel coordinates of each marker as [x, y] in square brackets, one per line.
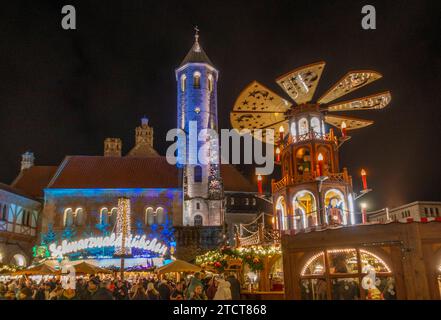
[68, 233]
[50, 236]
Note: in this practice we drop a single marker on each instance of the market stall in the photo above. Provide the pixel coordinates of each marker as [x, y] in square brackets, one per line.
[177, 267]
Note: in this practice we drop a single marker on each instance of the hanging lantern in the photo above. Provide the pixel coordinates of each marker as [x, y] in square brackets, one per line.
[281, 132]
[259, 184]
[320, 165]
[277, 154]
[363, 178]
[343, 129]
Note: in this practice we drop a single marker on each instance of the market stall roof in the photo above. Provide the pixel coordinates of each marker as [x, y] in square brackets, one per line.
[87, 268]
[178, 266]
[41, 269]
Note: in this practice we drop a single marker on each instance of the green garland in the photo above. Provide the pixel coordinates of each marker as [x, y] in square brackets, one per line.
[252, 256]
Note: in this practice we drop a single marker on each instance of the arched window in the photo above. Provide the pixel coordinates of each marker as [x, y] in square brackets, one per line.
[198, 220]
[197, 174]
[198, 206]
[160, 215]
[149, 216]
[315, 125]
[183, 82]
[336, 209]
[305, 210]
[68, 218]
[342, 270]
[104, 216]
[293, 129]
[197, 80]
[113, 215]
[303, 126]
[281, 214]
[80, 219]
[210, 82]
[303, 161]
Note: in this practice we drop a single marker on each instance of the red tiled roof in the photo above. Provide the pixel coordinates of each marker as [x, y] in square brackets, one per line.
[32, 181]
[13, 190]
[90, 172]
[87, 172]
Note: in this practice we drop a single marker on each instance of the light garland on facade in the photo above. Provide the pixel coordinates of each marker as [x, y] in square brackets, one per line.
[250, 255]
[123, 230]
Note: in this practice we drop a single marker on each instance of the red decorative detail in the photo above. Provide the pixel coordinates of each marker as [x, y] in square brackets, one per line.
[424, 220]
[409, 219]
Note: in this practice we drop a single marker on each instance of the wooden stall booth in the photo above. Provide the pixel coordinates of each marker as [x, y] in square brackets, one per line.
[379, 262]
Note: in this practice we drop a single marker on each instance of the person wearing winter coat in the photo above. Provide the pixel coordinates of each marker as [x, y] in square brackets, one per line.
[235, 287]
[212, 288]
[103, 293]
[194, 282]
[223, 291]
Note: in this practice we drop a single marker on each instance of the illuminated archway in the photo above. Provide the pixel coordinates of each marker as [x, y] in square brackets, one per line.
[305, 210]
[351, 273]
[335, 206]
[281, 213]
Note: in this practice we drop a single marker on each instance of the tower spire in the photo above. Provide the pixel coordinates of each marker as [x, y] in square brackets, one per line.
[196, 53]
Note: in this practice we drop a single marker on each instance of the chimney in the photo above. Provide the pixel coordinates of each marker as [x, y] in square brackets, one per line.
[112, 147]
[27, 160]
[144, 133]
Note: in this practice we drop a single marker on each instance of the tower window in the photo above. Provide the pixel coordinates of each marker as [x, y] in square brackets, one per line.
[198, 174]
[183, 82]
[198, 220]
[197, 80]
[198, 206]
[210, 83]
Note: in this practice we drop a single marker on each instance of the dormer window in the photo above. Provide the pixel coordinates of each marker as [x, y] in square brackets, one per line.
[197, 80]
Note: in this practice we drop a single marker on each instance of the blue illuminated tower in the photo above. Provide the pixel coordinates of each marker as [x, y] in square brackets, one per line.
[197, 105]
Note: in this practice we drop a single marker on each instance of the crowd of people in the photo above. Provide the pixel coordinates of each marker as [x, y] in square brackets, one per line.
[200, 286]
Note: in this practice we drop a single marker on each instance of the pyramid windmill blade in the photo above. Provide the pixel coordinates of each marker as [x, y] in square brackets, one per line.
[352, 81]
[300, 84]
[351, 123]
[259, 120]
[257, 107]
[375, 101]
[258, 98]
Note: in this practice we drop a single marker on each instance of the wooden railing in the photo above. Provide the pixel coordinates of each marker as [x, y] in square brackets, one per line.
[309, 177]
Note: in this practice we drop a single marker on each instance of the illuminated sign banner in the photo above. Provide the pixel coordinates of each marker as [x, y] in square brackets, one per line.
[138, 242]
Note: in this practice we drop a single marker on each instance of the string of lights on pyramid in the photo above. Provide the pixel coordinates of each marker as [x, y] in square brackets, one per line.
[257, 107]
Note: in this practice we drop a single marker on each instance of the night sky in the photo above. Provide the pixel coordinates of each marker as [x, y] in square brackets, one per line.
[62, 92]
